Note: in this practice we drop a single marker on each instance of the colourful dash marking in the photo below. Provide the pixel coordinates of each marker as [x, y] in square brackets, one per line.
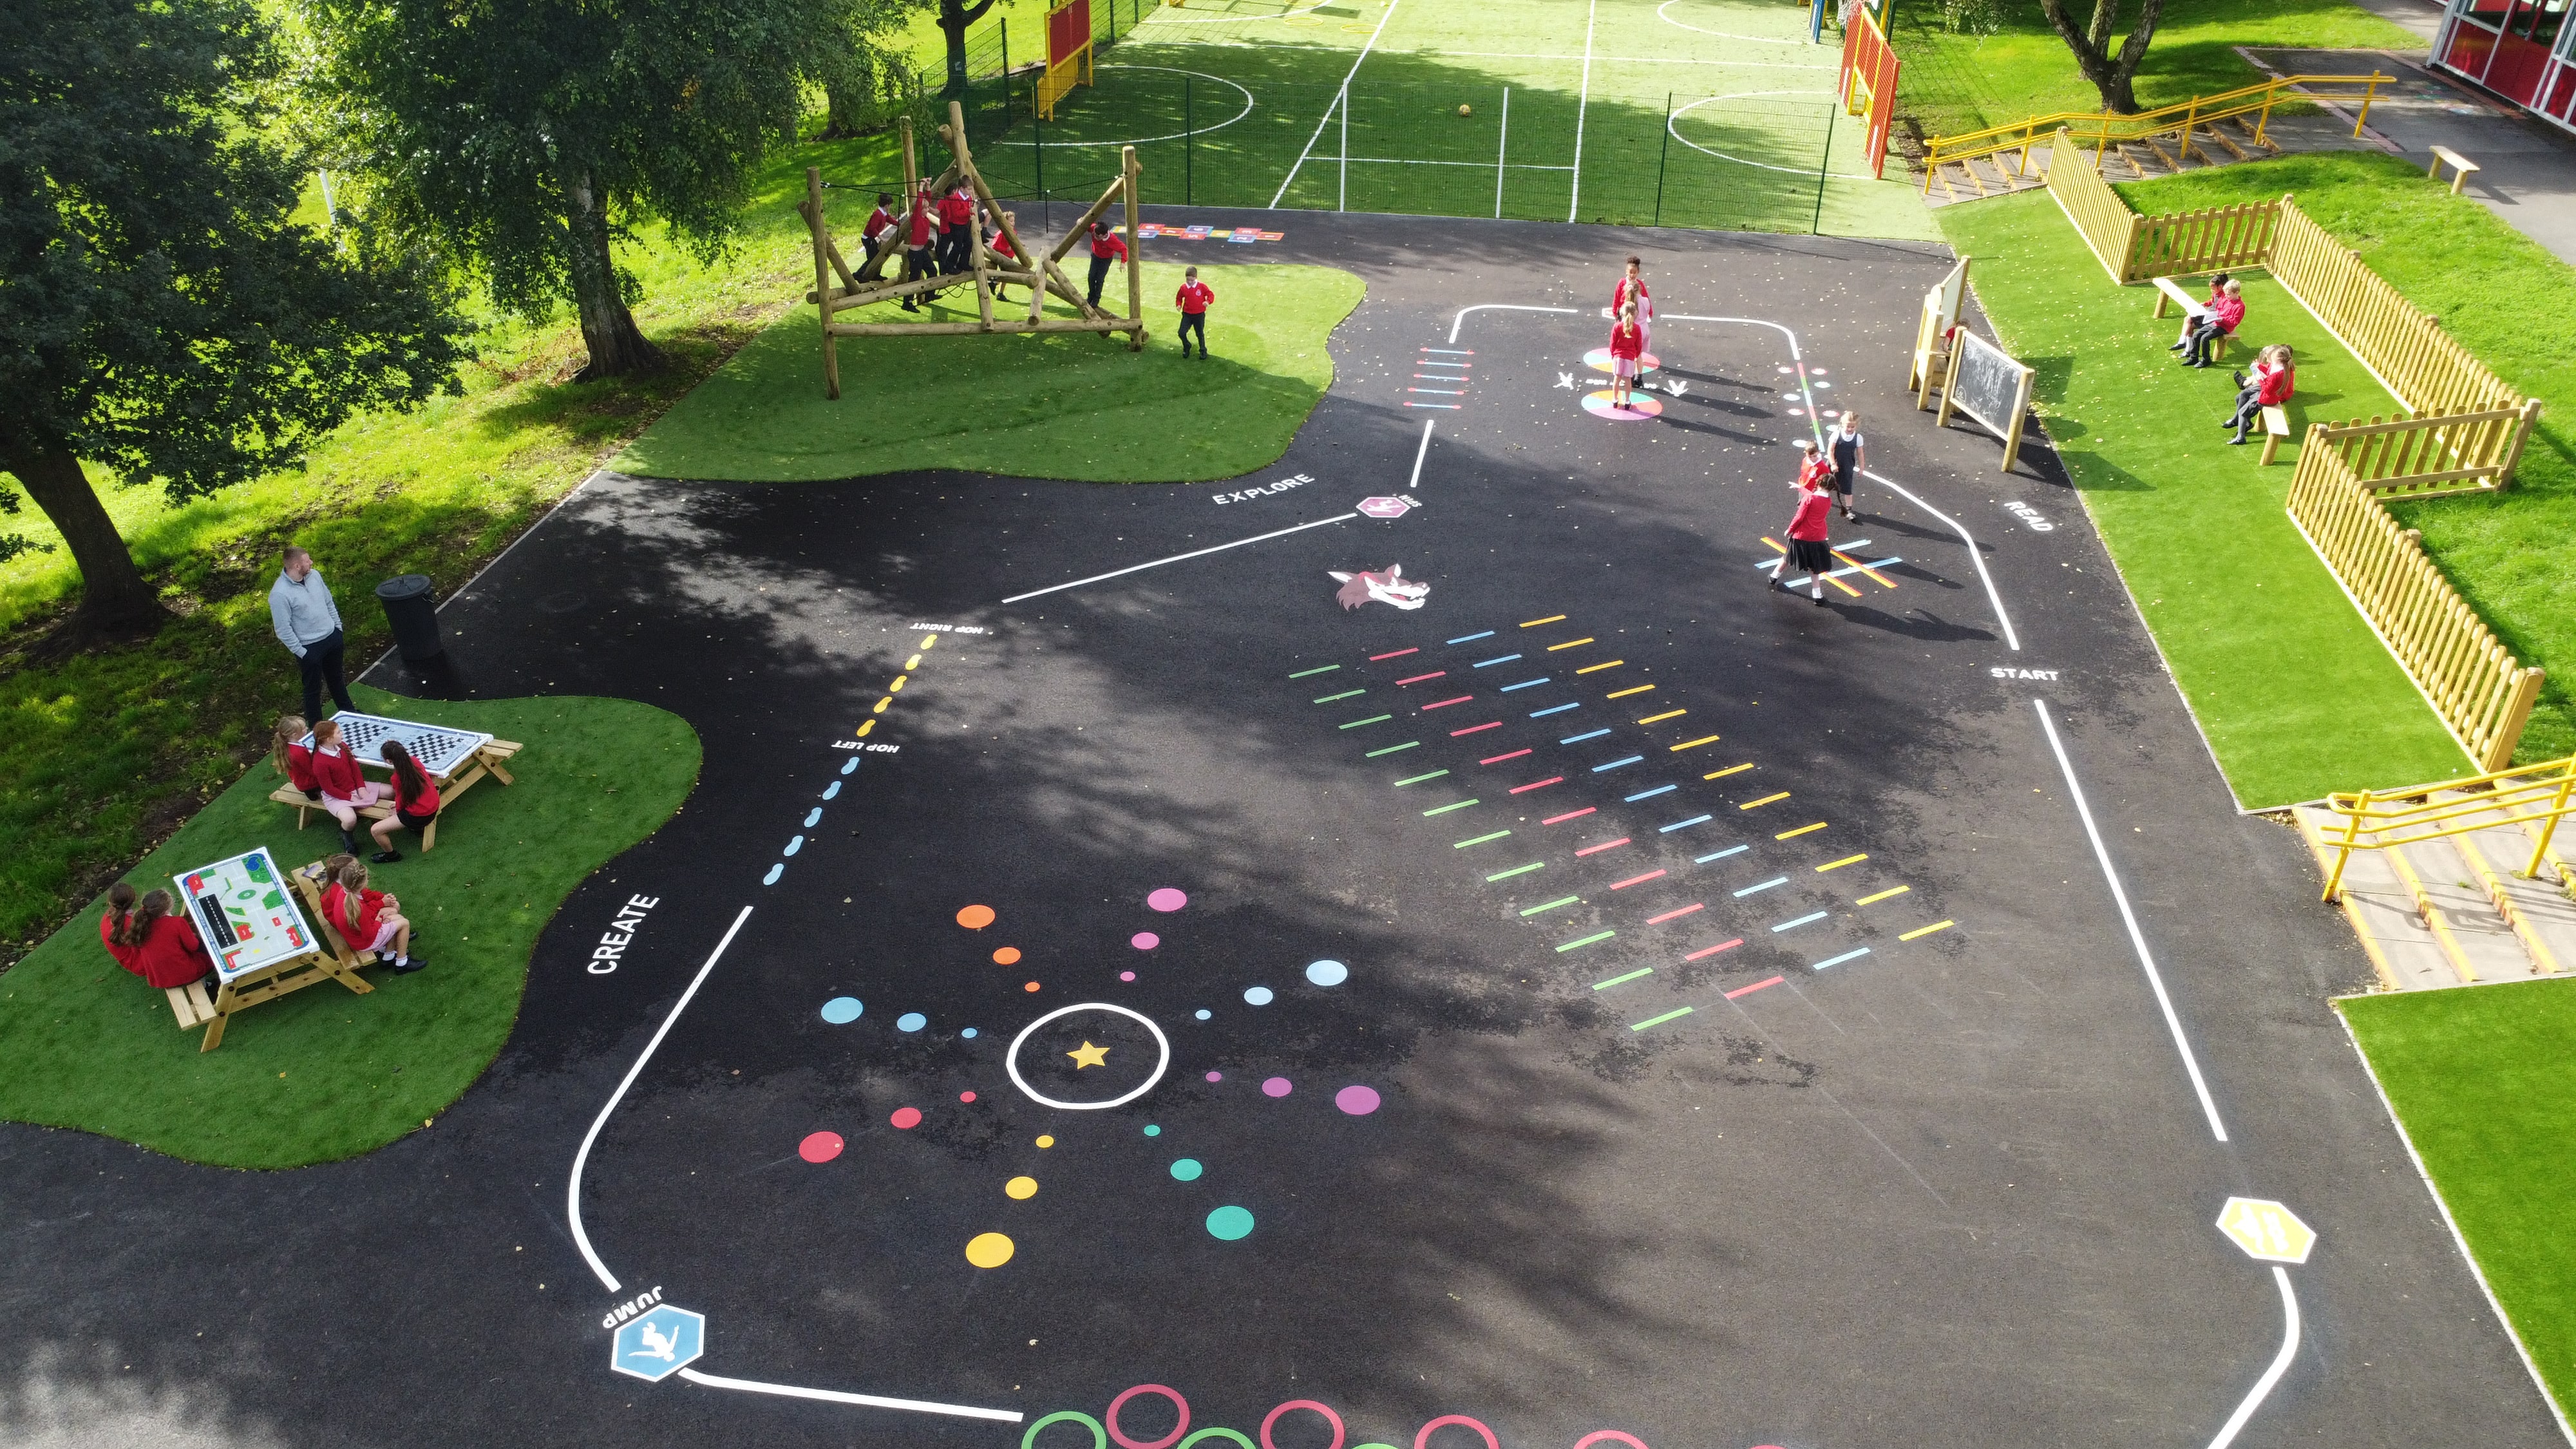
[1570, 815]
[1552, 905]
[1555, 709]
[1695, 744]
[1588, 735]
[1623, 980]
[1766, 885]
[1801, 830]
[1684, 824]
[1345, 694]
[1516, 870]
[1882, 895]
[1418, 779]
[1479, 840]
[1713, 950]
[1636, 880]
[1838, 960]
[1927, 930]
[1624, 693]
[1372, 719]
[1444, 704]
[1570, 643]
[1806, 920]
[1550, 619]
[1302, 673]
[1469, 638]
[1498, 659]
[1614, 764]
[1765, 800]
[1605, 845]
[1524, 684]
[1648, 794]
[1445, 809]
[1870, 569]
[1667, 714]
[1391, 749]
[1839, 864]
[1398, 654]
[1417, 679]
[1721, 854]
[1535, 784]
[1586, 941]
[1672, 915]
[1729, 770]
[1756, 986]
[1658, 1020]
[1498, 759]
[1613, 664]
[1491, 724]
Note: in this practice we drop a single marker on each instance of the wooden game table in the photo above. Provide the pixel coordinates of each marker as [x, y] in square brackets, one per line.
[455, 759]
[261, 946]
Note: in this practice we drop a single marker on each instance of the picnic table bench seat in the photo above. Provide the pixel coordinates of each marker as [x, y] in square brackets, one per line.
[2169, 292]
[491, 759]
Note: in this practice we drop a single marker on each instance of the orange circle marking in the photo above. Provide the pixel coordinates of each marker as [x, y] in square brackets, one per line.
[975, 918]
[1032, 986]
[1007, 955]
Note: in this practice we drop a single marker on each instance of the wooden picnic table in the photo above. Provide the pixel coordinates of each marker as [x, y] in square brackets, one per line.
[261, 952]
[456, 760]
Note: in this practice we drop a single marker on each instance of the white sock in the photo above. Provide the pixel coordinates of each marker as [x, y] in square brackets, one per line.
[402, 958]
[1815, 593]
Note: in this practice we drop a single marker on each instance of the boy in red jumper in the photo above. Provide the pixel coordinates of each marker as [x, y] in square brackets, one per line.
[921, 229]
[1106, 247]
[1193, 299]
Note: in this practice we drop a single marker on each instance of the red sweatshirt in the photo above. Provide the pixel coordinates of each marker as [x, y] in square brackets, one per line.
[299, 767]
[425, 803]
[1109, 245]
[337, 772]
[1193, 297]
[1811, 524]
[2276, 384]
[1627, 341]
[2228, 311]
[171, 954]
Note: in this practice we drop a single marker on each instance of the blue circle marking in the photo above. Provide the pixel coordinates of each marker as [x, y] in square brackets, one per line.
[968, 1033]
[1328, 973]
[1204, 1013]
[1152, 1130]
[1258, 995]
[842, 1010]
[1187, 1169]
[911, 1021]
[1230, 1223]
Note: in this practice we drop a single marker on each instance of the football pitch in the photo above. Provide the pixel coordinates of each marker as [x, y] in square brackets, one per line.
[1698, 113]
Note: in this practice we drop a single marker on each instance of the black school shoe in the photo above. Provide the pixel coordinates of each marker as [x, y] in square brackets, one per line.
[385, 857]
[408, 966]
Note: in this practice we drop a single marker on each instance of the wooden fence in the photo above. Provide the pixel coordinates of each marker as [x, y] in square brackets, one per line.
[2105, 221]
[2481, 692]
[2186, 243]
[2408, 351]
[2430, 457]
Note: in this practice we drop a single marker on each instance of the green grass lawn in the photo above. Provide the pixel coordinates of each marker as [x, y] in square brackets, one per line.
[325, 1074]
[2296, 694]
[2479, 1076]
[2511, 304]
[1956, 83]
[1044, 405]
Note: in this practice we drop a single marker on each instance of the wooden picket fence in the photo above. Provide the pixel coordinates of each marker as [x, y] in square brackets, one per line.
[2430, 457]
[2482, 694]
[2105, 221]
[2187, 243]
[2407, 350]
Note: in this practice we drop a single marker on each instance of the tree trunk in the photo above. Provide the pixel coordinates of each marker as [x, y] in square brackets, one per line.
[954, 17]
[617, 346]
[115, 601]
[840, 114]
[2114, 77]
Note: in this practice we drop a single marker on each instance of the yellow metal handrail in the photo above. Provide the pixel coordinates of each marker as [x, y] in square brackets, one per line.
[2410, 814]
[2104, 129]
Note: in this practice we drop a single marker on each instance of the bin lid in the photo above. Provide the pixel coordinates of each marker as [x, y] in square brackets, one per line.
[407, 586]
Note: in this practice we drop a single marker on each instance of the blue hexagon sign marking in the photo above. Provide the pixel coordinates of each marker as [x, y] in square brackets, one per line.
[658, 1344]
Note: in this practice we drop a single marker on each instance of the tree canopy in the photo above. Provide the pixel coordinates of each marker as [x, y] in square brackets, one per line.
[161, 316]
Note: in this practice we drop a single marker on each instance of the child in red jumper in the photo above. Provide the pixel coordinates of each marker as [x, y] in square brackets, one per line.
[1631, 295]
[2275, 379]
[293, 757]
[2226, 313]
[345, 790]
[370, 920]
[1193, 299]
[1810, 529]
[415, 801]
[1106, 247]
[147, 940]
[1627, 344]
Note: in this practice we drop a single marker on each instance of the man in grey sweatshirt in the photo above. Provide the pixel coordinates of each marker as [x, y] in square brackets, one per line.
[308, 624]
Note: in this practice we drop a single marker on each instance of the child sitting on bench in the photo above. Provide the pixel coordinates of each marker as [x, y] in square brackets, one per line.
[147, 940]
[2217, 289]
[2274, 379]
[294, 760]
[370, 920]
[345, 789]
[2226, 311]
[415, 801]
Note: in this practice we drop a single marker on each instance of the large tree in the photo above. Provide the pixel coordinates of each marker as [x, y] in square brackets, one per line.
[2111, 72]
[161, 317]
[954, 17]
[527, 136]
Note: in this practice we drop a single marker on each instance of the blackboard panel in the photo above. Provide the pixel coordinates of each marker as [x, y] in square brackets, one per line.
[1989, 384]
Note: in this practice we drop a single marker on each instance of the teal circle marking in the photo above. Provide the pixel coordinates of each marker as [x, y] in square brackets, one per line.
[1187, 1169]
[1099, 1435]
[1153, 1131]
[842, 1010]
[1230, 1223]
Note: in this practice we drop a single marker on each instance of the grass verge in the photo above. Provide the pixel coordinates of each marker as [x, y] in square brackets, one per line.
[324, 1074]
[2479, 1078]
[2295, 693]
[1045, 405]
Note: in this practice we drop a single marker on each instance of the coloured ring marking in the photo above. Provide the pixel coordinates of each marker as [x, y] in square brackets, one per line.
[1011, 1060]
[1167, 1441]
[1609, 1436]
[1099, 1436]
[1215, 1433]
[1423, 1439]
[1273, 1417]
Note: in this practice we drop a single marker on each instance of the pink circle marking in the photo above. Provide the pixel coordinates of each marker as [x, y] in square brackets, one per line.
[1216, 1076]
[1610, 1436]
[1640, 407]
[1277, 1087]
[820, 1147]
[1598, 359]
[1423, 1439]
[1357, 1100]
[1273, 1417]
[965, 1096]
[906, 1118]
[1126, 975]
[1167, 899]
[1144, 940]
[1110, 1419]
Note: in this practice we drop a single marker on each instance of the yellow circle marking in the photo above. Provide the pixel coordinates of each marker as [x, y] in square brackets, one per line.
[1022, 1188]
[1046, 1142]
[988, 1250]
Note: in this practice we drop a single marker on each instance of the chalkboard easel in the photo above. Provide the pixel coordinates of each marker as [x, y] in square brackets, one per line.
[1989, 385]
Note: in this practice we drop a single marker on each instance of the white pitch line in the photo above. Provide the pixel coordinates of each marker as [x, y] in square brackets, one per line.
[865, 1401]
[1581, 103]
[572, 1194]
[1461, 319]
[2138, 942]
[1975, 555]
[1176, 558]
[1345, 101]
[2280, 1362]
[1619, 59]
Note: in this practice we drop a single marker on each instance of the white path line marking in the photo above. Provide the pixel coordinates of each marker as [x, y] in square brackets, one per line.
[1416, 480]
[1581, 103]
[865, 1401]
[2129, 918]
[572, 1195]
[1975, 555]
[2280, 1362]
[1326, 119]
[1461, 319]
[1176, 558]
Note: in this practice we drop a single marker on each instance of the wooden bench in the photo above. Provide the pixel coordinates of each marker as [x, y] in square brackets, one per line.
[2168, 293]
[309, 884]
[2461, 166]
[2276, 426]
[493, 760]
[190, 1004]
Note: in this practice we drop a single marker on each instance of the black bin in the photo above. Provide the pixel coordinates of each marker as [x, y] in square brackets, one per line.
[413, 615]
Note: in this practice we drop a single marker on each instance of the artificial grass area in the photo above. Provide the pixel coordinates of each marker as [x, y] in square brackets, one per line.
[1043, 405]
[2296, 694]
[2513, 305]
[324, 1073]
[2479, 1077]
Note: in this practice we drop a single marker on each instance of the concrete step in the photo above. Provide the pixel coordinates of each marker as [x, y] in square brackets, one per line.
[2383, 911]
[2478, 941]
[2539, 910]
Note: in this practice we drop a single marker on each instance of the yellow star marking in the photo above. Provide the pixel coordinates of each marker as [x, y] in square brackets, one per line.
[1089, 1056]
